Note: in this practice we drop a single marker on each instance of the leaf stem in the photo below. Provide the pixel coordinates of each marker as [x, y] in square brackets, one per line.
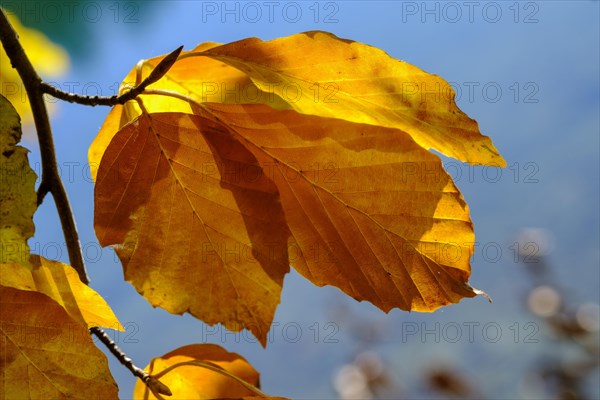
[158, 72]
[170, 93]
[214, 368]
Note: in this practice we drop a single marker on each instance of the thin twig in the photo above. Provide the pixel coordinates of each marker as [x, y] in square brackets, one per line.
[161, 69]
[151, 382]
[51, 181]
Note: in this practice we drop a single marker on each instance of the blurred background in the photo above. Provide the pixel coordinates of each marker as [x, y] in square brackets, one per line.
[528, 72]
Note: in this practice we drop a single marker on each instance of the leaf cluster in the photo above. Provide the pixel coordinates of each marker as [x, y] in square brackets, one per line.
[219, 168]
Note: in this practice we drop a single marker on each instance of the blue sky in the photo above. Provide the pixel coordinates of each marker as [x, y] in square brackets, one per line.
[528, 72]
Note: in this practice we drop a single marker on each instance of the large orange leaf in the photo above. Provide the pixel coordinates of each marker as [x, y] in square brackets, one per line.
[370, 211]
[320, 74]
[343, 187]
[193, 233]
[45, 353]
[359, 207]
[194, 382]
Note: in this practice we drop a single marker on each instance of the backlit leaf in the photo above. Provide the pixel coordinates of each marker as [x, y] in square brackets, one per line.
[320, 74]
[208, 198]
[17, 189]
[195, 214]
[369, 210]
[45, 353]
[192, 234]
[61, 283]
[194, 382]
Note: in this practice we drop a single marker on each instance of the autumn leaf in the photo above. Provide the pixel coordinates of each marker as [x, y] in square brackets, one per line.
[191, 235]
[369, 210]
[196, 214]
[45, 353]
[188, 381]
[320, 74]
[218, 198]
[61, 283]
[49, 60]
[17, 190]
[45, 348]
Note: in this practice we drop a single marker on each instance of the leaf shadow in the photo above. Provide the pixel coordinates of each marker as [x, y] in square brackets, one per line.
[392, 188]
[256, 196]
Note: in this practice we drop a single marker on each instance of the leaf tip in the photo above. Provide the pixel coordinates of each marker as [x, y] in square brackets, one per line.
[157, 386]
[163, 66]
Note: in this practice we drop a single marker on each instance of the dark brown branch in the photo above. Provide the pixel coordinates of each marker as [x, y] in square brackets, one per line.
[153, 383]
[161, 69]
[51, 181]
[42, 191]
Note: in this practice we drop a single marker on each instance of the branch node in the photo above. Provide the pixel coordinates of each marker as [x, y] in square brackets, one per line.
[158, 72]
[42, 191]
[153, 384]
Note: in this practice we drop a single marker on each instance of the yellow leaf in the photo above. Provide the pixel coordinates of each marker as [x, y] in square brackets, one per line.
[206, 198]
[49, 60]
[111, 125]
[320, 74]
[45, 353]
[17, 189]
[192, 232]
[194, 382]
[369, 210]
[61, 283]
[201, 210]
[200, 79]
